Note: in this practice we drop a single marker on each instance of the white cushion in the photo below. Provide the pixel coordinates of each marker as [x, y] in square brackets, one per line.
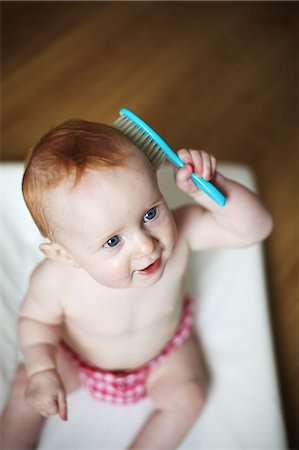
[243, 410]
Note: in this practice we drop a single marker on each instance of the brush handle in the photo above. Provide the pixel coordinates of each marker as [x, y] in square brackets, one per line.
[209, 189]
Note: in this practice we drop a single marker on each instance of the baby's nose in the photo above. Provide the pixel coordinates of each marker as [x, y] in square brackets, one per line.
[145, 243]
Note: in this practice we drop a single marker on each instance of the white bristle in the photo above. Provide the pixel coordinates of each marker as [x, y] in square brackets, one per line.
[141, 139]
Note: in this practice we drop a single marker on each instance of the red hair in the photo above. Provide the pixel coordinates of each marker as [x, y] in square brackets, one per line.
[65, 152]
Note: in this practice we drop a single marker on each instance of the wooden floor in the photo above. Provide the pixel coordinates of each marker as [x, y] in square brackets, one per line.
[219, 76]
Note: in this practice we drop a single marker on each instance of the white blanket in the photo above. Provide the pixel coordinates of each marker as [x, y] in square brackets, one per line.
[243, 410]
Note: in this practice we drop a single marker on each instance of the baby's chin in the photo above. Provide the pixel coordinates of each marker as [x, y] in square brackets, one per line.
[146, 281]
[141, 281]
[130, 282]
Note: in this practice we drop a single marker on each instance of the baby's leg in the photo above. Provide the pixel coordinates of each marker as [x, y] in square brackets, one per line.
[178, 388]
[20, 424]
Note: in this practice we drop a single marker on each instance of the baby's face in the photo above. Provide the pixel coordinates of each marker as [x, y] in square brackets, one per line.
[115, 224]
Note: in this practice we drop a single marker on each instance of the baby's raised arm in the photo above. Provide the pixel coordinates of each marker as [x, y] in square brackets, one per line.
[40, 320]
[244, 220]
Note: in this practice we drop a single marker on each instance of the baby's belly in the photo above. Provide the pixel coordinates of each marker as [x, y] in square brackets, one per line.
[125, 351]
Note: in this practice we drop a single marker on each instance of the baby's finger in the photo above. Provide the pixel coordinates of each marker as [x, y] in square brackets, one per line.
[182, 178]
[214, 165]
[207, 166]
[185, 156]
[183, 174]
[197, 162]
[62, 405]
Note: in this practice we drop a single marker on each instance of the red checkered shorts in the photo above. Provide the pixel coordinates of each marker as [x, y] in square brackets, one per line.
[125, 387]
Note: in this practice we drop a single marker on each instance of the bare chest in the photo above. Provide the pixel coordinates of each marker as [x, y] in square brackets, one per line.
[103, 311]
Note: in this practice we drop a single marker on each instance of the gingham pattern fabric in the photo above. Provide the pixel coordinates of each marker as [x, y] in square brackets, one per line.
[125, 387]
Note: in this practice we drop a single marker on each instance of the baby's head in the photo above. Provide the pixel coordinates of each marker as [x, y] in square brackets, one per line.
[95, 196]
[64, 154]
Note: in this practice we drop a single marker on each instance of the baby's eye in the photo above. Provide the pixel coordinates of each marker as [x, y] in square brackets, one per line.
[151, 213]
[112, 242]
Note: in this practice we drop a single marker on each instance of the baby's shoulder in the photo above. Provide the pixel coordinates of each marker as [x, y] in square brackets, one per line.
[184, 216]
[49, 274]
[191, 226]
[44, 298]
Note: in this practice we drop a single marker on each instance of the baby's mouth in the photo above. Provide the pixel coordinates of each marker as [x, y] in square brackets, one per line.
[149, 270]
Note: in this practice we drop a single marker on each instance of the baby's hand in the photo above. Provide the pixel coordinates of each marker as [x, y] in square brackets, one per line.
[46, 394]
[197, 161]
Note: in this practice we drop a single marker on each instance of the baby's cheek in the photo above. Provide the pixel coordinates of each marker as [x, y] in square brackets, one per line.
[112, 274]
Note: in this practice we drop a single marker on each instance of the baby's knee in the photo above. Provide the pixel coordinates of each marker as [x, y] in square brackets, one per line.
[21, 373]
[20, 379]
[190, 399]
[18, 385]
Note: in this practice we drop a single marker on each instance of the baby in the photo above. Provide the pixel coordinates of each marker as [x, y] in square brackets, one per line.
[107, 306]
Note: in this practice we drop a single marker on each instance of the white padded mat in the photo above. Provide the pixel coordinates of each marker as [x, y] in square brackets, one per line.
[243, 410]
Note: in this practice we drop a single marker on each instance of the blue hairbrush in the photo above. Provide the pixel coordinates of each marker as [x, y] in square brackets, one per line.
[157, 150]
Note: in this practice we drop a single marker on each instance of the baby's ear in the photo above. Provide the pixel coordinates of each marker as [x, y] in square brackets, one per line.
[55, 251]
